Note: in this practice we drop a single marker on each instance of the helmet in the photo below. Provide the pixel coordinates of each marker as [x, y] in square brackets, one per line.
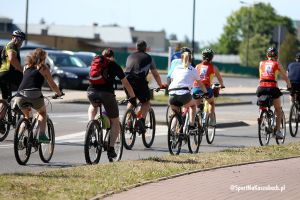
[185, 49]
[20, 34]
[272, 52]
[108, 53]
[207, 54]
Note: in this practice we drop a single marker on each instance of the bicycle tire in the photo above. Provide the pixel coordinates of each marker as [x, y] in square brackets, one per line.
[118, 144]
[23, 141]
[194, 139]
[174, 142]
[283, 129]
[210, 131]
[93, 142]
[7, 124]
[169, 113]
[150, 126]
[128, 129]
[293, 120]
[46, 150]
[263, 134]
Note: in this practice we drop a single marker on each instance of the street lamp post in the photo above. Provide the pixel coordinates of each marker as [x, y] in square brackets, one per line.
[193, 35]
[26, 21]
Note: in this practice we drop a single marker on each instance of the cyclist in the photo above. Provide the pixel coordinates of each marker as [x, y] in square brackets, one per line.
[11, 69]
[207, 72]
[137, 68]
[183, 77]
[268, 70]
[104, 93]
[30, 93]
[175, 60]
[294, 74]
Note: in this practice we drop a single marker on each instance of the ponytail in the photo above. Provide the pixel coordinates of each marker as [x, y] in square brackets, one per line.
[185, 57]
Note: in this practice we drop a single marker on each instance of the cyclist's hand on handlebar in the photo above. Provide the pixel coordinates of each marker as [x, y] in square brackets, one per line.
[132, 100]
[222, 86]
[164, 86]
[55, 96]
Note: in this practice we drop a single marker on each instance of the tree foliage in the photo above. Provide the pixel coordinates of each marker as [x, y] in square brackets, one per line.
[288, 49]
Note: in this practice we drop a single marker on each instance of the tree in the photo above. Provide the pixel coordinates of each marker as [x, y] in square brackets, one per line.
[288, 49]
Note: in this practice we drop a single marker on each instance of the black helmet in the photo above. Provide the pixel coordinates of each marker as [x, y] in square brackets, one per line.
[207, 54]
[108, 53]
[272, 52]
[18, 33]
[185, 49]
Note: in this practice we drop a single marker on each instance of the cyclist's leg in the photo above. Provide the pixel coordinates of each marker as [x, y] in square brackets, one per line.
[5, 84]
[92, 110]
[277, 106]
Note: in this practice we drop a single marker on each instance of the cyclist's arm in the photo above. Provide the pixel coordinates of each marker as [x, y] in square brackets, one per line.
[284, 76]
[13, 60]
[219, 77]
[156, 77]
[128, 87]
[47, 75]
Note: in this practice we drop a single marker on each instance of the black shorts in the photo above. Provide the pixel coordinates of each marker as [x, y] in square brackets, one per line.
[107, 99]
[295, 88]
[140, 89]
[274, 92]
[180, 100]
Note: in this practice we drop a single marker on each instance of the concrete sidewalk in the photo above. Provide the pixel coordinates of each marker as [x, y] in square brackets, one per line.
[264, 180]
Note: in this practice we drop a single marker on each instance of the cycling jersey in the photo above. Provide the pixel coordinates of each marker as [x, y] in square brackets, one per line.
[268, 71]
[206, 72]
[6, 66]
[294, 72]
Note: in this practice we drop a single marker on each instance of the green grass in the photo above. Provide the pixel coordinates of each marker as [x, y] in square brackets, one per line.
[88, 181]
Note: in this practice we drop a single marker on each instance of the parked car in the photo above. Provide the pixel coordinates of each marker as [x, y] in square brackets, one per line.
[67, 70]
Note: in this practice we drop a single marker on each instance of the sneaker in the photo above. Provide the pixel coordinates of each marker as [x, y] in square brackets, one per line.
[2, 127]
[111, 154]
[43, 139]
[105, 145]
[279, 134]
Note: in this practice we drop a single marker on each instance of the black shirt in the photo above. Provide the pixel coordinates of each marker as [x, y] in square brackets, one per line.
[114, 70]
[32, 79]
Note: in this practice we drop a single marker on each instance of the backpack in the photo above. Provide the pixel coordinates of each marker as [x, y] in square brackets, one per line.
[99, 70]
[3, 108]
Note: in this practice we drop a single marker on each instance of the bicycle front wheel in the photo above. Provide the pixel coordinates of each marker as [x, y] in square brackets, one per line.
[5, 125]
[118, 144]
[195, 138]
[293, 120]
[46, 149]
[283, 129]
[150, 125]
[128, 129]
[263, 126]
[93, 142]
[210, 130]
[174, 142]
[22, 141]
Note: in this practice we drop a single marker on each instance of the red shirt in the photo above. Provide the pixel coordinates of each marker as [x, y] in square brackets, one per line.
[268, 70]
[206, 72]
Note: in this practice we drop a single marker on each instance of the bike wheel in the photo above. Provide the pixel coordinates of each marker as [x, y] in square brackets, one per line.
[118, 144]
[263, 133]
[174, 143]
[150, 125]
[210, 131]
[46, 149]
[5, 123]
[283, 129]
[128, 130]
[169, 113]
[195, 138]
[22, 141]
[93, 142]
[293, 120]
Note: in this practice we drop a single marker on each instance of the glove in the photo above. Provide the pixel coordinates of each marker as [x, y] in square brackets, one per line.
[164, 86]
[132, 100]
[56, 95]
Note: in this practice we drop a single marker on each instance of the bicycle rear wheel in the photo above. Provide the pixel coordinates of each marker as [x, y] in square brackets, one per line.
[118, 144]
[93, 142]
[5, 123]
[128, 130]
[210, 131]
[22, 141]
[174, 143]
[169, 113]
[150, 125]
[283, 129]
[195, 138]
[263, 126]
[293, 120]
[46, 149]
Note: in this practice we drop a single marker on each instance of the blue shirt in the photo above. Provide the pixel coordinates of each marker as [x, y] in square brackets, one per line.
[176, 55]
[174, 63]
[294, 72]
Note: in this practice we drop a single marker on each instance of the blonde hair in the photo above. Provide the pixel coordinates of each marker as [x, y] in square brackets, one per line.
[186, 59]
[36, 57]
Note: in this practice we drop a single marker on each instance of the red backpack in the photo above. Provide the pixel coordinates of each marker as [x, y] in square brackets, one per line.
[99, 70]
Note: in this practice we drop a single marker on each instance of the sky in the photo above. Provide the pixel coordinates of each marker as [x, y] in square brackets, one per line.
[173, 16]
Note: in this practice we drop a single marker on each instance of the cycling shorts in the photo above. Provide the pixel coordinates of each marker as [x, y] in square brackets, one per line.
[180, 100]
[274, 92]
[25, 102]
[140, 89]
[199, 91]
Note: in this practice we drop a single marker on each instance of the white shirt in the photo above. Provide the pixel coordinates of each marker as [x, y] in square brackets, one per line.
[183, 78]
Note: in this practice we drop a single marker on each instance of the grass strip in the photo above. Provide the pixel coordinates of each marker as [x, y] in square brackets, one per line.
[85, 182]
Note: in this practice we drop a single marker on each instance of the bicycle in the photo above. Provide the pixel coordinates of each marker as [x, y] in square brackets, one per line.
[294, 114]
[95, 141]
[12, 115]
[131, 127]
[266, 121]
[169, 113]
[205, 118]
[178, 132]
[26, 137]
